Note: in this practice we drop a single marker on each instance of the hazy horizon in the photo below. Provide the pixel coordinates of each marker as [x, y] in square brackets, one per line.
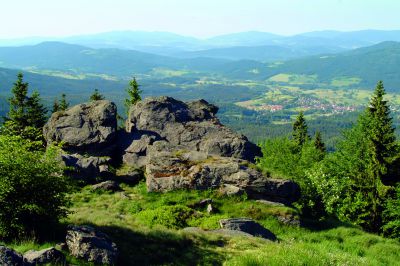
[199, 19]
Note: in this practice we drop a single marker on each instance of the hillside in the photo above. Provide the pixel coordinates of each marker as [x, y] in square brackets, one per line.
[194, 195]
[369, 64]
[79, 59]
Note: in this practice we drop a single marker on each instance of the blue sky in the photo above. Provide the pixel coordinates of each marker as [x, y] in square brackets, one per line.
[200, 18]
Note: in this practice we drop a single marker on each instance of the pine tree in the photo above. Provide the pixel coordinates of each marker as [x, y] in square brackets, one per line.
[381, 131]
[18, 103]
[36, 112]
[133, 94]
[300, 131]
[63, 103]
[96, 96]
[318, 143]
[56, 106]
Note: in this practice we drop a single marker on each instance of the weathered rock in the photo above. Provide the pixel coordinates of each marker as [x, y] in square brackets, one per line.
[231, 190]
[168, 171]
[201, 204]
[108, 185]
[86, 243]
[210, 209]
[192, 126]
[9, 257]
[131, 177]
[222, 232]
[46, 256]
[271, 203]
[289, 220]
[89, 127]
[88, 169]
[248, 226]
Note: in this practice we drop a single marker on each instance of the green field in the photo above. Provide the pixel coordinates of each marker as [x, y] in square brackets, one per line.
[147, 229]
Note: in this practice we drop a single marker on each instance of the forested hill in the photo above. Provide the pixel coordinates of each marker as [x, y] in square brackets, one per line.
[79, 59]
[369, 64]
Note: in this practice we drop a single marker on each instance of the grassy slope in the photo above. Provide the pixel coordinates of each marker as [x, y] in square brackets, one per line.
[124, 216]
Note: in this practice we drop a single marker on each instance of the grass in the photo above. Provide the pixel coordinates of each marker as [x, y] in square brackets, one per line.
[146, 228]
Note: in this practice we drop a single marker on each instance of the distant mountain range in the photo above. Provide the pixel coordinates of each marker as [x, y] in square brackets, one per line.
[241, 44]
[367, 64]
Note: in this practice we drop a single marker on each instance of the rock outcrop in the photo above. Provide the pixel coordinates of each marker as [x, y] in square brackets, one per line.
[248, 226]
[184, 146]
[168, 169]
[9, 257]
[193, 126]
[178, 145]
[84, 242]
[108, 185]
[84, 128]
[46, 256]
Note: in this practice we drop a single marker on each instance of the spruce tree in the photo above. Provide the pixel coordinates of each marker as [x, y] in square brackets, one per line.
[36, 112]
[18, 103]
[300, 131]
[381, 131]
[96, 96]
[133, 94]
[63, 103]
[318, 143]
[56, 106]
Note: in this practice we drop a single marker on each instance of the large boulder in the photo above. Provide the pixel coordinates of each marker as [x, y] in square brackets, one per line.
[193, 126]
[9, 257]
[248, 226]
[46, 256]
[89, 127]
[171, 169]
[86, 243]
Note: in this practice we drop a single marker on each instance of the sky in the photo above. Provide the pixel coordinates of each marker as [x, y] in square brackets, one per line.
[198, 18]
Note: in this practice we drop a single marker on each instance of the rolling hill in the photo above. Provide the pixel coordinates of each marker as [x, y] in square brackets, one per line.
[79, 59]
[369, 64]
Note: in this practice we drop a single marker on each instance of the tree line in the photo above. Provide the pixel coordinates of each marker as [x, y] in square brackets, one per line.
[358, 183]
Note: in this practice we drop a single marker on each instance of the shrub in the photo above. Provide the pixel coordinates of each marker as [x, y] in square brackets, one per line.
[283, 158]
[174, 217]
[391, 215]
[32, 188]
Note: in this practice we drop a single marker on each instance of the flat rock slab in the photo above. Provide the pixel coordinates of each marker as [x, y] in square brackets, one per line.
[271, 203]
[46, 256]
[107, 186]
[248, 226]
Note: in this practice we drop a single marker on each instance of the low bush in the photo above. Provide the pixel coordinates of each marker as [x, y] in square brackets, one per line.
[33, 190]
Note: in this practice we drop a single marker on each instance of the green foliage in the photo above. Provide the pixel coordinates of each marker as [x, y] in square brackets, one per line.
[326, 243]
[300, 131]
[281, 158]
[36, 112]
[318, 143]
[63, 103]
[27, 115]
[133, 94]
[33, 136]
[350, 180]
[391, 215]
[18, 103]
[32, 188]
[96, 96]
[174, 217]
[56, 106]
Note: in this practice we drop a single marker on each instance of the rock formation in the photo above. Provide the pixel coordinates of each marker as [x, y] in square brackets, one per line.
[178, 145]
[85, 128]
[86, 243]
